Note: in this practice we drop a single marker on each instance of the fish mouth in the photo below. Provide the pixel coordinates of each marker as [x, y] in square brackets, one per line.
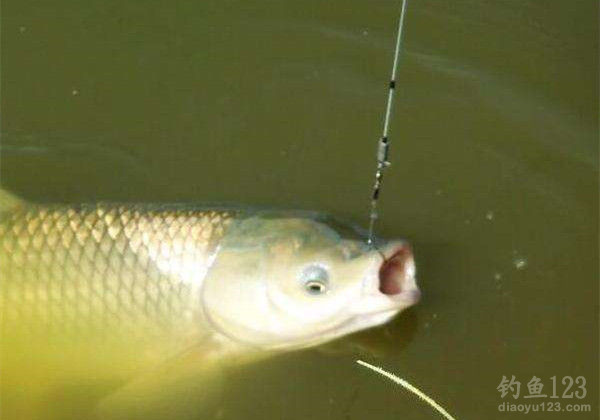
[397, 272]
[391, 285]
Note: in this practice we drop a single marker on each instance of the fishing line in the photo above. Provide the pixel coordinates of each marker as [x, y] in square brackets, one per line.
[383, 146]
[402, 382]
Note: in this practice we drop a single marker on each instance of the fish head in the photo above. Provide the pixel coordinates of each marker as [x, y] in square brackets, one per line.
[284, 283]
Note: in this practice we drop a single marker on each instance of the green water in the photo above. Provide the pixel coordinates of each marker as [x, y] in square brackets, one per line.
[494, 177]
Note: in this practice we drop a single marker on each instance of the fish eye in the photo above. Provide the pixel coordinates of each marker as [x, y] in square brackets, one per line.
[315, 287]
[315, 280]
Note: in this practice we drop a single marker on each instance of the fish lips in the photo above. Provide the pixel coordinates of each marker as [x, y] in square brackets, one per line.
[391, 284]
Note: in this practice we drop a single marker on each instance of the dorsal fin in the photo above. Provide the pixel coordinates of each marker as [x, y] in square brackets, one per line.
[9, 201]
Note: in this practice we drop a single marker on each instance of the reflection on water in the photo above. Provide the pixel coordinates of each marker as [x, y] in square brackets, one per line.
[494, 176]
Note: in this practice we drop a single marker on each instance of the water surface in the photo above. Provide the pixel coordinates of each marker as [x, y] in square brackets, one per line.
[494, 177]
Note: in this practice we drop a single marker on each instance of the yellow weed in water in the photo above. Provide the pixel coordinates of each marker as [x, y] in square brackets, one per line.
[410, 387]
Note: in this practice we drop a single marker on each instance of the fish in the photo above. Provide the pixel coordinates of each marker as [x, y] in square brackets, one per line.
[121, 290]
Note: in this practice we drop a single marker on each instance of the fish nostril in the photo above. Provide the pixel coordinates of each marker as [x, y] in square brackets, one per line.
[393, 271]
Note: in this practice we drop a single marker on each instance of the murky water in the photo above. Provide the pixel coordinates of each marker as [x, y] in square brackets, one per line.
[494, 176]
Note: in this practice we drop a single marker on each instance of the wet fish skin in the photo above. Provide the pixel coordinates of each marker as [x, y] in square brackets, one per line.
[111, 271]
[105, 269]
[174, 272]
[151, 298]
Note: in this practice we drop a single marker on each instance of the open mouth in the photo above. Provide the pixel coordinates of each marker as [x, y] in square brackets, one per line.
[396, 274]
[391, 286]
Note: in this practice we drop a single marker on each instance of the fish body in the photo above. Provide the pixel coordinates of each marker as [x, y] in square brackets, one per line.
[116, 289]
[106, 269]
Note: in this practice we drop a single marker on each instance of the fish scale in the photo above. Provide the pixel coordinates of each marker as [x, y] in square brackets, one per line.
[105, 268]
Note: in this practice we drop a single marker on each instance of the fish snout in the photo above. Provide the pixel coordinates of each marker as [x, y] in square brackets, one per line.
[397, 271]
[390, 286]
